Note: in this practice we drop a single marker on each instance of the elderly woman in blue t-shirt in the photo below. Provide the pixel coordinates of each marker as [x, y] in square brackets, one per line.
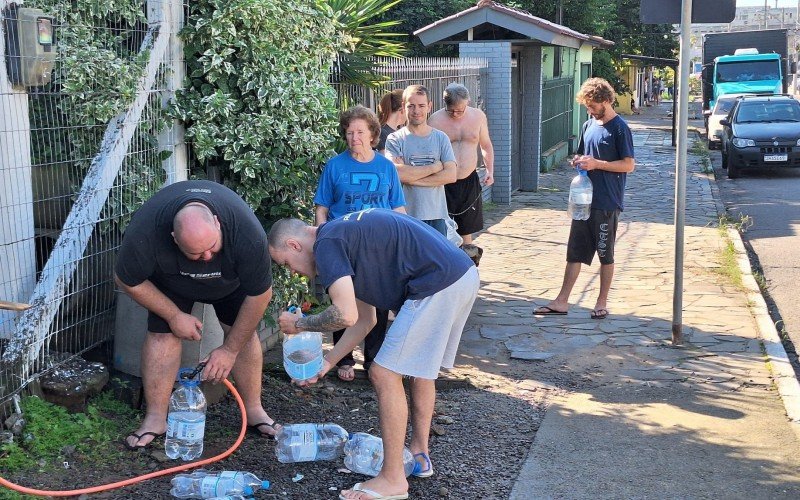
[357, 179]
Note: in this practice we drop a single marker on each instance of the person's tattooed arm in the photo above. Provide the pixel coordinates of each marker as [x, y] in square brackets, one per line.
[329, 320]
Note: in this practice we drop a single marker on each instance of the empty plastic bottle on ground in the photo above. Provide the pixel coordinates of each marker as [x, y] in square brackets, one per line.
[309, 442]
[186, 421]
[205, 484]
[302, 355]
[363, 453]
[580, 196]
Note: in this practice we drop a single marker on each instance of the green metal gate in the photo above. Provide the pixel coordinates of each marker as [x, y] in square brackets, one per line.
[557, 109]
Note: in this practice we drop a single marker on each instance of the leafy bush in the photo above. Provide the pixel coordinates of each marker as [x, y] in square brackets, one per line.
[96, 76]
[258, 106]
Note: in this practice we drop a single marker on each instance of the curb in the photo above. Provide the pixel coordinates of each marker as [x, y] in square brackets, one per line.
[779, 365]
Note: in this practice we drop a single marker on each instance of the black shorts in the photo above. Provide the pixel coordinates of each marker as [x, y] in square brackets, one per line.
[597, 234]
[227, 309]
[465, 203]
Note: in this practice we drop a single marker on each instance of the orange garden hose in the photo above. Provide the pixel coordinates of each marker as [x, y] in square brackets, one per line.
[133, 480]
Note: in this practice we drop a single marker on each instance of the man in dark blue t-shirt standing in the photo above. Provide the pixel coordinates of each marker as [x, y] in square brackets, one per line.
[380, 258]
[605, 150]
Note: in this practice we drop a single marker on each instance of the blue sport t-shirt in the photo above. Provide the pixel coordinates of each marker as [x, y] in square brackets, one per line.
[609, 142]
[391, 257]
[347, 185]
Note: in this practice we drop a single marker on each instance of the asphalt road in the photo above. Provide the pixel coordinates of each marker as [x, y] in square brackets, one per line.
[770, 201]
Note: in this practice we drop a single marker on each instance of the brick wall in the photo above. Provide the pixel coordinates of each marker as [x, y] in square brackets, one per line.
[497, 98]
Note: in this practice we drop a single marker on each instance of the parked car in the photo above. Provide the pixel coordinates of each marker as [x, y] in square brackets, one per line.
[721, 108]
[761, 131]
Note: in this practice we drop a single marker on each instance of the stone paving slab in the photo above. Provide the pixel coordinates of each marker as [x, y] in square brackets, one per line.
[642, 417]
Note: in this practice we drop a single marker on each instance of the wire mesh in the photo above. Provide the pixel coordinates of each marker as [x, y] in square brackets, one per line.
[78, 155]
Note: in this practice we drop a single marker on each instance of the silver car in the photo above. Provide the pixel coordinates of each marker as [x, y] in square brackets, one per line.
[720, 110]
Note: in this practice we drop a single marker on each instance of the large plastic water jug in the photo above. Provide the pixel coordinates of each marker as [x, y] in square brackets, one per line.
[302, 355]
[580, 196]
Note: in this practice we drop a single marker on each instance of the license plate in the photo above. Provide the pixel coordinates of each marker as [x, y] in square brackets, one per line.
[776, 157]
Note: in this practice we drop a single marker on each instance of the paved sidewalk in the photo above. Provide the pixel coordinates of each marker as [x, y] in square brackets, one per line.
[639, 418]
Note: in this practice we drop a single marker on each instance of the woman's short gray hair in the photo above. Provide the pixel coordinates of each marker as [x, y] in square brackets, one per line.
[455, 93]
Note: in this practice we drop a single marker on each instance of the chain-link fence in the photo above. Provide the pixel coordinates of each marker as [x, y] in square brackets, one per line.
[84, 140]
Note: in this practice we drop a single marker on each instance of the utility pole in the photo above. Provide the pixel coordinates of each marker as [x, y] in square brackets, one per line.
[765, 13]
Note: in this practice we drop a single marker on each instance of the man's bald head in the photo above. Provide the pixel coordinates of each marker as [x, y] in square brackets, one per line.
[196, 231]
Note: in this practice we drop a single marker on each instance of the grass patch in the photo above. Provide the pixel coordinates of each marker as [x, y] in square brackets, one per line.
[729, 265]
[700, 149]
[51, 433]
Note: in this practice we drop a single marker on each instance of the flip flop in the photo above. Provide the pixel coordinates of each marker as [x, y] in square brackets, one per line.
[134, 447]
[351, 371]
[256, 429]
[601, 313]
[427, 471]
[548, 311]
[374, 494]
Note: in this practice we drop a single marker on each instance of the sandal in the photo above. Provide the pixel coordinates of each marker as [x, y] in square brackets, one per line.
[256, 429]
[136, 446]
[419, 471]
[346, 373]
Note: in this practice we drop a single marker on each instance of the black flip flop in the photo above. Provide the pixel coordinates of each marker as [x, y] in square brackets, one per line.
[139, 437]
[256, 429]
[601, 313]
[548, 311]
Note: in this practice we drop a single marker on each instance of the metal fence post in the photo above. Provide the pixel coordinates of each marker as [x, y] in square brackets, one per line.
[17, 250]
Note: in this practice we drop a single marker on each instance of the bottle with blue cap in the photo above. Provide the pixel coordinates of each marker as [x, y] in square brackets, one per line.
[580, 196]
[302, 353]
[363, 454]
[205, 484]
[186, 421]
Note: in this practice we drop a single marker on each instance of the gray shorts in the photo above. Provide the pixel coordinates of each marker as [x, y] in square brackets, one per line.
[426, 332]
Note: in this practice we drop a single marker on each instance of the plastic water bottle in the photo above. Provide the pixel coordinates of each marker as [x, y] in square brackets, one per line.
[580, 196]
[205, 484]
[231, 497]
[363, 453]
[186, 421]
[302, 355]
[309, 442]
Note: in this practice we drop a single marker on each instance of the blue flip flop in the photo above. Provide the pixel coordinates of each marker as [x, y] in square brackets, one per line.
[427, 471]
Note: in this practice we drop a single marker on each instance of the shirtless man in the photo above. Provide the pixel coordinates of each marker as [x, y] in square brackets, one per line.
[467, 129]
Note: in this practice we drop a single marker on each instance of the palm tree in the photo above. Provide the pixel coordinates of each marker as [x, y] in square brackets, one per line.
[364, 41]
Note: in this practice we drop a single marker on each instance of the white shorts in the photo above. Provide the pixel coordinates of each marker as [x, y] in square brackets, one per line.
[426, 332]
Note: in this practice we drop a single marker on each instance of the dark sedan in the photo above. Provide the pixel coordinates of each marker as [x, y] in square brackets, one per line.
[761, 131]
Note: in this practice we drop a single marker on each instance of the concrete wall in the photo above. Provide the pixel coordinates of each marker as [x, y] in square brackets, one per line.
[497, 96]
[530, 149]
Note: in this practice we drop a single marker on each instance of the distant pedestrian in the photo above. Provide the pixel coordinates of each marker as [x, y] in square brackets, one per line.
[605, 149]
[657, 91]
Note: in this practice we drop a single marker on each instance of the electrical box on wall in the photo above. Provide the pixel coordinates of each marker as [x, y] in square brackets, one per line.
[30, 46]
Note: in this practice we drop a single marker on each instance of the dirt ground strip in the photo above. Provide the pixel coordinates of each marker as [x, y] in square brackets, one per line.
[483, 428]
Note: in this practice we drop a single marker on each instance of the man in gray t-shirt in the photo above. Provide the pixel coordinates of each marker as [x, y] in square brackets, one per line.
[424, 159]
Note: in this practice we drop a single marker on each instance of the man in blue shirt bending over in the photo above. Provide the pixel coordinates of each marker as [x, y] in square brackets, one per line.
[605, 149]
[380, 258]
